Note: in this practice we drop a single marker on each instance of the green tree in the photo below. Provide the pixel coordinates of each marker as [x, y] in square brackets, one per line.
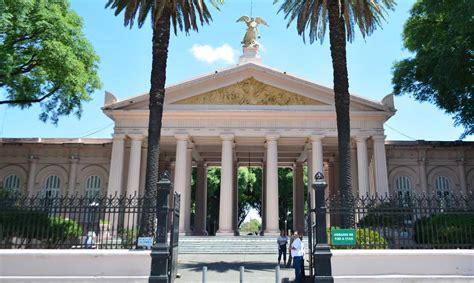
[342, 16]
[251, 226]
[440, 34]
[285, 197]
[45, 58]
[250, 191]
[185, 16]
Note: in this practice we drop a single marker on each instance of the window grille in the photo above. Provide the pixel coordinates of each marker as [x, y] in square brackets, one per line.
[12, 183]
[52, 186]
[93, 186]
[443, 186]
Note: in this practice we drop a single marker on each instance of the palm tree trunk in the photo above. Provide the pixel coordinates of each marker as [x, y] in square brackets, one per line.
[337, 36]
[161, 37]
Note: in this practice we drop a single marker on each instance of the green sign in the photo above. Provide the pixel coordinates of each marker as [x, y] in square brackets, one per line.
[343, 236]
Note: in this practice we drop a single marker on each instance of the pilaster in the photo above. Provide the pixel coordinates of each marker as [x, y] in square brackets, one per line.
[116, 165]
[362, 165]
[381, 176]
[33, 160]
[73, 160]
[133, 181]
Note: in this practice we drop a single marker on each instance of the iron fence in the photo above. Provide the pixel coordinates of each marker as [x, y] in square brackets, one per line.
[64, 222]
[408, 222]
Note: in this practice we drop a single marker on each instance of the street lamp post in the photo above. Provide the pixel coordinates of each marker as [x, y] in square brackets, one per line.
[322, 252]
[160, 250]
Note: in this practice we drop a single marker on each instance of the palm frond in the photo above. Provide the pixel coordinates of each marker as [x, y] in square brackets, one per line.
[312, 16]
[184, 14]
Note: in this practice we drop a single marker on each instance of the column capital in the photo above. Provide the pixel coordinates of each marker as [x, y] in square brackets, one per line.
[118, 137]
[182, 137]
[136, 137]
[33, 158]
[314, 138]
[227, 137]
[272, 137]
[379, 138]
[73, 158]
[359, 139]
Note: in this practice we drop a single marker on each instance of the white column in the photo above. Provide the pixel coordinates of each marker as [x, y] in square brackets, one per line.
[362, 165]
[32, 174]
[309, 163]
[116, 165]
[71, 187]
[187, 200]
[381, 177]
[133, 181]
[316, 162]
[226, 196]
[180, 179]
[317, 154]
[271, 202]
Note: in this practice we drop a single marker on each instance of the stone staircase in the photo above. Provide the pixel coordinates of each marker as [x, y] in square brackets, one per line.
[229, 245]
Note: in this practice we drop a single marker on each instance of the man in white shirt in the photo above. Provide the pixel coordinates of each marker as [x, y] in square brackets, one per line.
[297, 253]
[282, 241]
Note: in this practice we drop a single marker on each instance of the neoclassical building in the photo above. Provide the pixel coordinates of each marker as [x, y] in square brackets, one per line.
[246, 114]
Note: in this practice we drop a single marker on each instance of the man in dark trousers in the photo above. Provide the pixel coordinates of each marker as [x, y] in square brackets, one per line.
[282, 241]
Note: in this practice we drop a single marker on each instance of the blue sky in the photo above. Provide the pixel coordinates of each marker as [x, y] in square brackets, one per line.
[126, 61]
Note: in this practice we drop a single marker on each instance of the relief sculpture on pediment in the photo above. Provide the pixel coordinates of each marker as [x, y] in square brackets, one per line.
[250, 92]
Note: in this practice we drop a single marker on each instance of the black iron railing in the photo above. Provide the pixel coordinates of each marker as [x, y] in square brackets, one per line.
[408, 222]
[109, 222]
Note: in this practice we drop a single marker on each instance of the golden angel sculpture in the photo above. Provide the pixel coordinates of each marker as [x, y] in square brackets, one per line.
[250, 37]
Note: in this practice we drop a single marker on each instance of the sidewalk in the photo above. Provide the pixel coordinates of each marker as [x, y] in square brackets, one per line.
[226, 268]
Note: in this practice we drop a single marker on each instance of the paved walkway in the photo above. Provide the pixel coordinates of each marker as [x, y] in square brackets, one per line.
[225, 268]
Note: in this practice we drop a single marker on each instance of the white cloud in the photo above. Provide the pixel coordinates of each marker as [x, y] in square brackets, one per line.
[209, 54]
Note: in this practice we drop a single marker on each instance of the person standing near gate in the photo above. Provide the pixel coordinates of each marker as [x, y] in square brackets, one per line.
[297, 252]
[282, 241]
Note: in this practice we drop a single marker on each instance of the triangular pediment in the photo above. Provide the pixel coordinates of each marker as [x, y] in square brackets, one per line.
[249, 86]
[249, 92]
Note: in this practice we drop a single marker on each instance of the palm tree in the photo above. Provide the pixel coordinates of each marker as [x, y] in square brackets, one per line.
[342, 16]
[183, 15]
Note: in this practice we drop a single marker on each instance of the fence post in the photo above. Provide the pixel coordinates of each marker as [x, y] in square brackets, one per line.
[322, 252]
[204, 274]
[277, 274]
[160, 250]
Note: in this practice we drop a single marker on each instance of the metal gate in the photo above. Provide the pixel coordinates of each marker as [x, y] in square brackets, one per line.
[174, 238]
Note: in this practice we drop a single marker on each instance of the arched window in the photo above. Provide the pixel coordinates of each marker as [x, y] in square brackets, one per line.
[443, 186]
[12, 183]
[52, 186]
[93, 186]
[403, 187]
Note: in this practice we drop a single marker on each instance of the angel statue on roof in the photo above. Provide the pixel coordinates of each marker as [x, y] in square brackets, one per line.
[250, 38]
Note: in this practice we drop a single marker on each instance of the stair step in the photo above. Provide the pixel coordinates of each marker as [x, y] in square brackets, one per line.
[228, 245]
